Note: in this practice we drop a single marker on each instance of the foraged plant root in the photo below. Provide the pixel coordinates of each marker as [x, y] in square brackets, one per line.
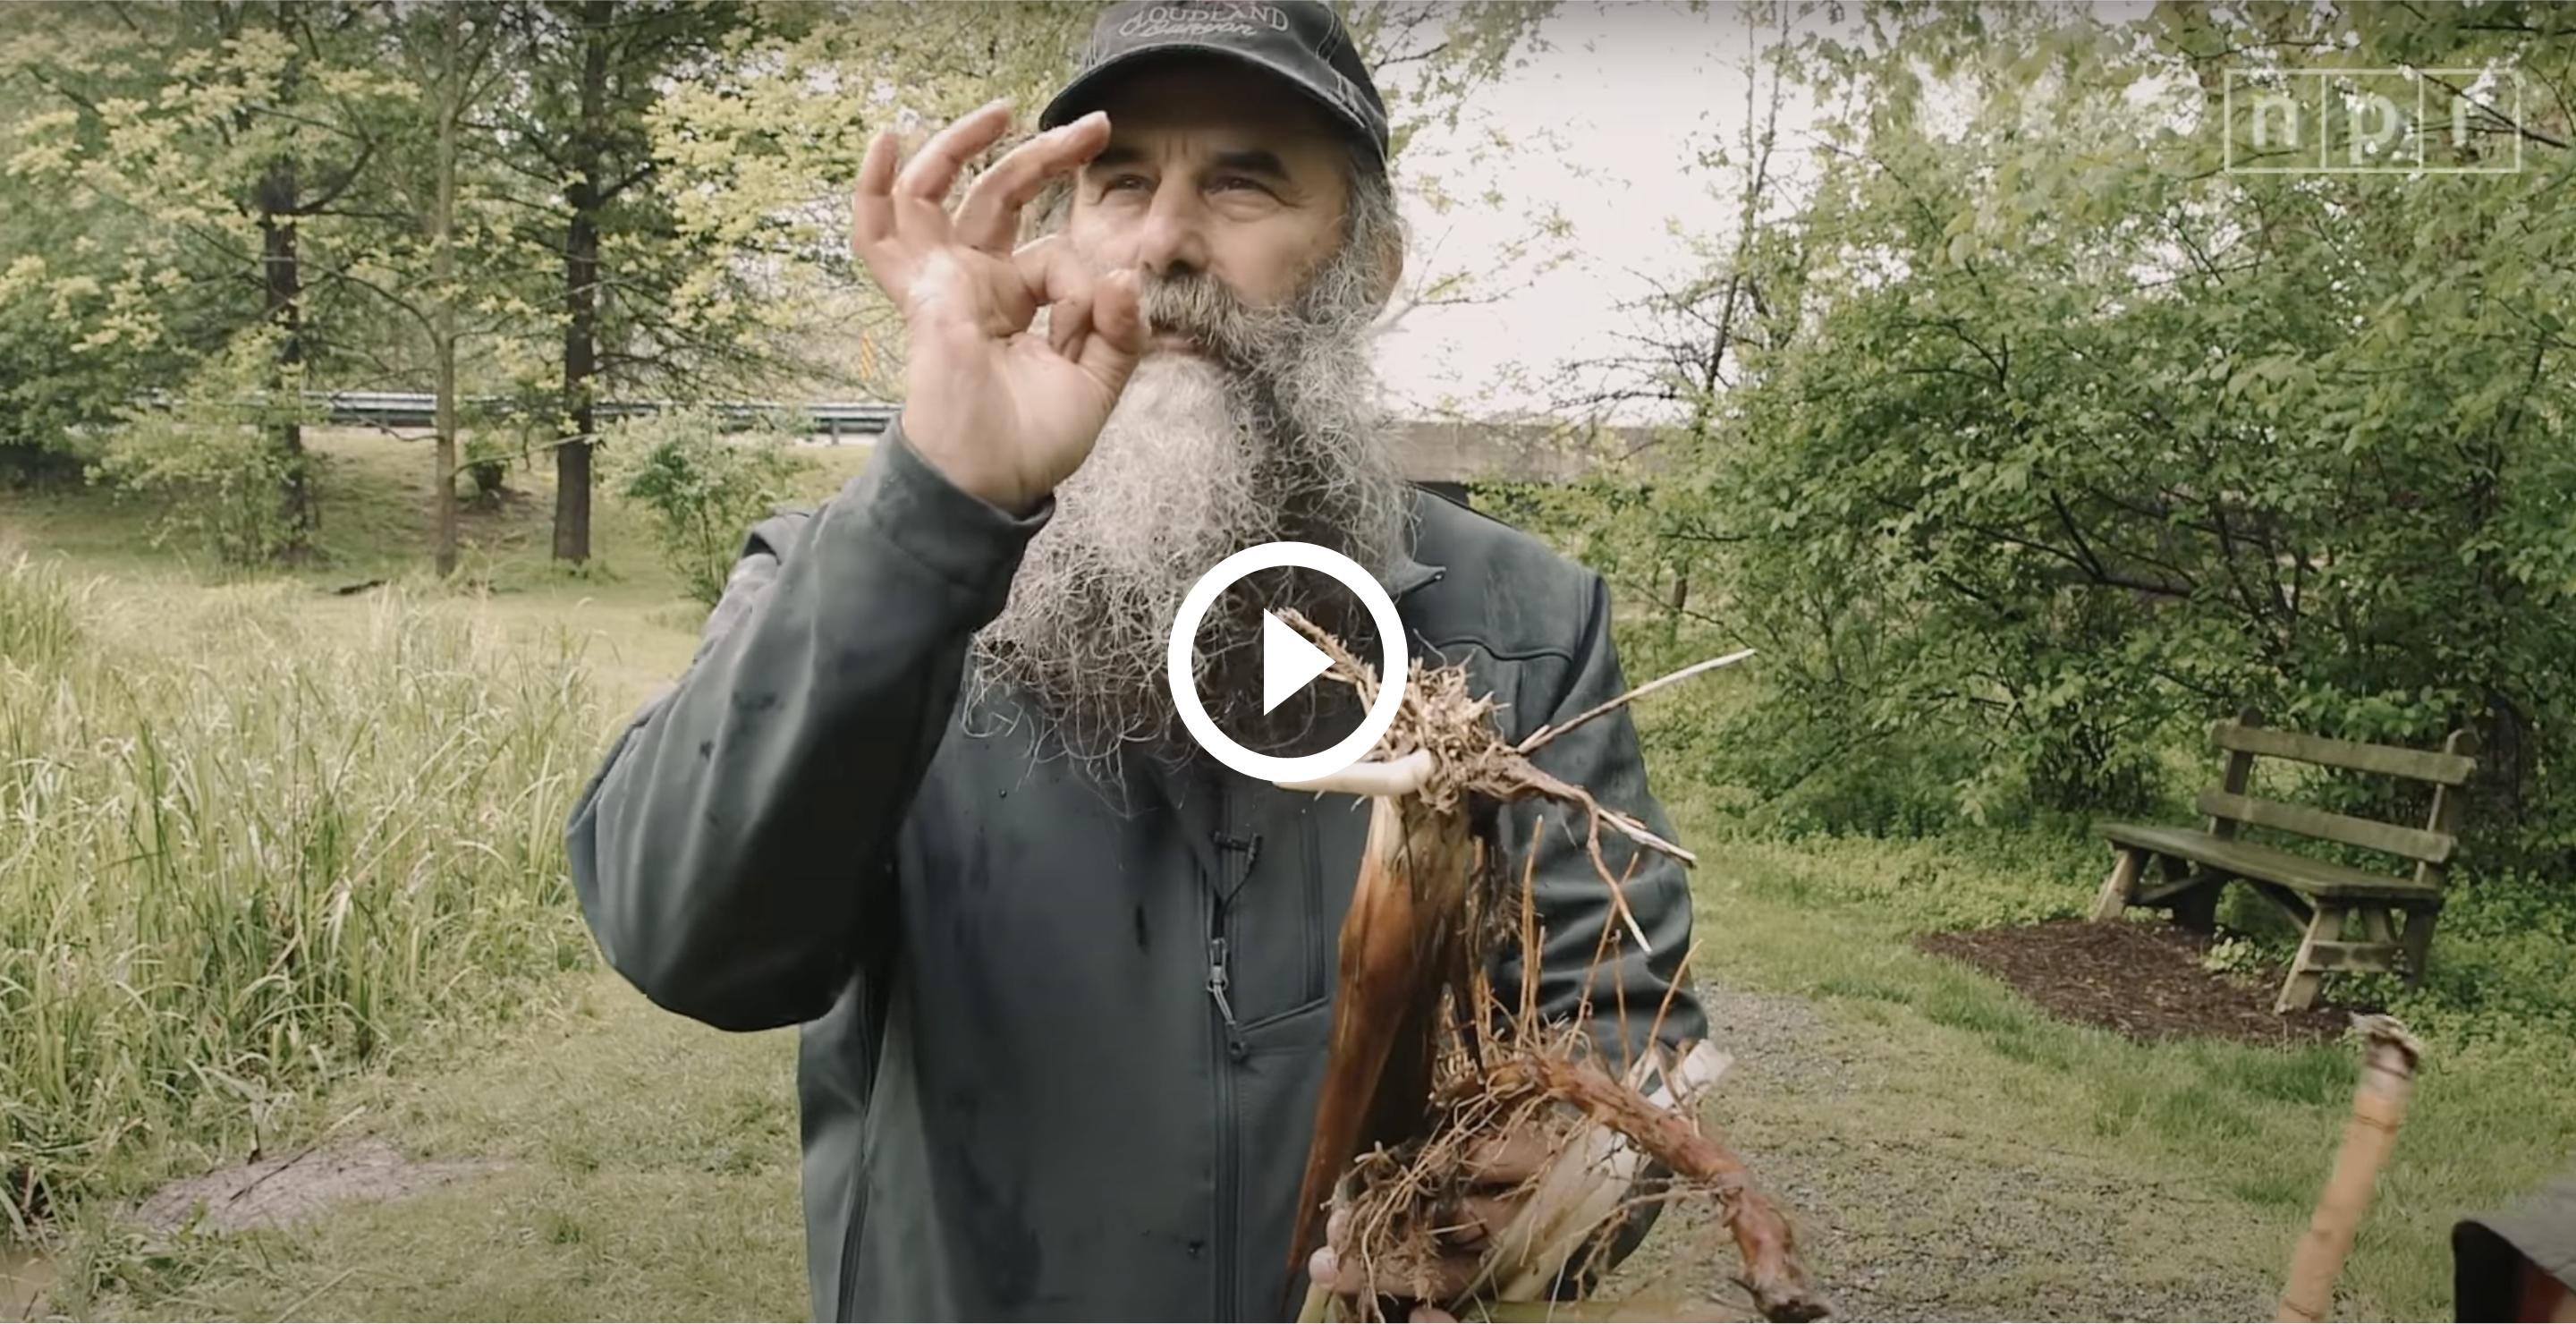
[1496, 1069]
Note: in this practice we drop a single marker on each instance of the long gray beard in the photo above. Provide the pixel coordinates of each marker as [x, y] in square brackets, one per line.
[1281, 439]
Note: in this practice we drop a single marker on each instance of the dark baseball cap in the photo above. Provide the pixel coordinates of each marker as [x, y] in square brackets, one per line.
[1302, 41]
[2488, 1251]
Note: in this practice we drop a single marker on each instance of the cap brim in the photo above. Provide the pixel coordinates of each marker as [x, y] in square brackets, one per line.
[1079, 96]
[2488, 1251]
[2486, 1274]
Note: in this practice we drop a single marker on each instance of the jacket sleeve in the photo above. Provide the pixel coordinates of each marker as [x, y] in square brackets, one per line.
[735, 843]
[1618, 988]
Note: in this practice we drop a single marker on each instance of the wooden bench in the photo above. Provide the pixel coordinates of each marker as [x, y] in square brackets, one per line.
[2394, 913]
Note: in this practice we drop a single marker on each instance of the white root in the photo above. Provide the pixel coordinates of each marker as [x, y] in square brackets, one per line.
[1379, 778]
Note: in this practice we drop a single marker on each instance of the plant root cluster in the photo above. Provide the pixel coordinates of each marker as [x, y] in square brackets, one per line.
[1502, 1071]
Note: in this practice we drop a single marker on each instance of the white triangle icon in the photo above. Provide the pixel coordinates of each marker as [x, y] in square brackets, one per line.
[1287, 661]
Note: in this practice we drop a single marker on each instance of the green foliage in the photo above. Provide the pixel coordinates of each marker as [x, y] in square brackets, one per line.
[2047, 438]
[204, 457]
[247, 858]
[703, 488]
[567, 200]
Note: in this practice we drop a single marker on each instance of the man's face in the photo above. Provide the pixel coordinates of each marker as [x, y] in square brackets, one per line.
[1253, 421]
[1214, 171]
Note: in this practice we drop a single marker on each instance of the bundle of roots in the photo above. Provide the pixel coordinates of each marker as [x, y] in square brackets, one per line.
[1431, 1065]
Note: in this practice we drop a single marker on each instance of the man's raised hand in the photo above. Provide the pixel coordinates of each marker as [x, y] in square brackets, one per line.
[1005, 414]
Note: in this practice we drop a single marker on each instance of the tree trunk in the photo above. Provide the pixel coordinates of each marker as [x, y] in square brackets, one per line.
[285, 308]
[443, 235]
[581, 294]
[278, 200]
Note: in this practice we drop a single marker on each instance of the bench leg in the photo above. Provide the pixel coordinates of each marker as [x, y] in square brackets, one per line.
[2197, 908]
[2116, 890]
[2417, 944]
[2299, 991]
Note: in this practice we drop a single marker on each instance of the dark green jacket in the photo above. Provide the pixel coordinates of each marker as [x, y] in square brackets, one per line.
[1020, 1097]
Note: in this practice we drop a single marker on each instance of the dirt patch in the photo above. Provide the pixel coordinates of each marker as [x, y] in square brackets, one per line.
[1930, 1225]
[26, 1276]
[276, 1192]
[2144, 980]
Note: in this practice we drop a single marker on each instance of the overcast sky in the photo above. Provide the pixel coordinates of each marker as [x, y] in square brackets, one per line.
[1607, 124]
[1611, 119]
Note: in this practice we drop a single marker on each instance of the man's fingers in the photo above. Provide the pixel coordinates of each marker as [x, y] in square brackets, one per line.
[872, 203]
[1482, 1218]
[989, 218]
[934, 171]
[1328, 1270]
[1117, 338]
[1510, 1158]
[1068, 322]
[1107, 337]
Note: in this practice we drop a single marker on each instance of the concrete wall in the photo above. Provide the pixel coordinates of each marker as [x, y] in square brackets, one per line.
[1454, 453]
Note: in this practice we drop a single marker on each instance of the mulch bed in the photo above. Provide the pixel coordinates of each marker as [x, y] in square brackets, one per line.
[2143, 980]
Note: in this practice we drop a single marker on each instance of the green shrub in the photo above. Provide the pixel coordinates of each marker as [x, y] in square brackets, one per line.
[209, 458]
[702, 488]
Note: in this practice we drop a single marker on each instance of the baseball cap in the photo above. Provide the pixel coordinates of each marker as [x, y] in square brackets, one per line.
[1302, 41]
[2487, 1251]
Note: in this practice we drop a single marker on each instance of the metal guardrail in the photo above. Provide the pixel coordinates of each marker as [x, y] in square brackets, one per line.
[397, 409]
[1430, 451]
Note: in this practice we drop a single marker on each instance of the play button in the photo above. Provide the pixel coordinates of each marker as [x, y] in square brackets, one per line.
[1289, 662]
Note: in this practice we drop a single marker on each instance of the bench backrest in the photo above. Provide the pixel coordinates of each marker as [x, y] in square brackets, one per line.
[2431, 845]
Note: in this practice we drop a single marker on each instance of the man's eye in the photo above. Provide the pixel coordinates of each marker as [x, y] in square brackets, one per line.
[1125, 181]
[1238, 182]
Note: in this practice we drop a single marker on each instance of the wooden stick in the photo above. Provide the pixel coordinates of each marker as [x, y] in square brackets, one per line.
[2389, 1056]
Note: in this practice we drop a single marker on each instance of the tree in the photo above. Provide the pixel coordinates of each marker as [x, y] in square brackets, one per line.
[240, 130]
[92, 299]
[578, 127]
[760, 154]
[2057, 436]
[449, 53]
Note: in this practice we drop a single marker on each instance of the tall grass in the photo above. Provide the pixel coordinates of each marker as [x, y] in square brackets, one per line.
[241, 854]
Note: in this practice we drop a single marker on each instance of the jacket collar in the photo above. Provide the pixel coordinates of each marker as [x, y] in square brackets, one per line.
[1407, 575]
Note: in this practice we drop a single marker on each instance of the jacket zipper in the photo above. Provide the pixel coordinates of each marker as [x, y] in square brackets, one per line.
[1228, 1047]
[1320, 936]
[842, 1307]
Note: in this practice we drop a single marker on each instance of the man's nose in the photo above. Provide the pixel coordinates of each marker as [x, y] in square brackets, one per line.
[1174, 237]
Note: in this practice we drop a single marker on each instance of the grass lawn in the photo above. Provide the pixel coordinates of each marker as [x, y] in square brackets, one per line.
[1951, 1152]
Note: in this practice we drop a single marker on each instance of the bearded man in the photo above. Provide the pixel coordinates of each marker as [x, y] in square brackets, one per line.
[1064, 982]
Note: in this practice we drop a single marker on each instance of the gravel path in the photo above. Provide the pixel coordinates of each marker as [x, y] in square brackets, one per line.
[1921, 1222]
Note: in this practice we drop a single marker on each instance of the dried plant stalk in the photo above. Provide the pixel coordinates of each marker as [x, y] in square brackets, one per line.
[1428, 1063]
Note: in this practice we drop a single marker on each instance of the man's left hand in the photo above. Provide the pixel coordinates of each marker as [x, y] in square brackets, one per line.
[1499, 1172]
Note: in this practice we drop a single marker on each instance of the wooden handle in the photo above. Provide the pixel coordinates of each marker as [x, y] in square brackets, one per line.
[2389, 1057]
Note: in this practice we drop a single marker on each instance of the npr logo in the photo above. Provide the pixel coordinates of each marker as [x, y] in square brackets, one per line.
[2372, 122]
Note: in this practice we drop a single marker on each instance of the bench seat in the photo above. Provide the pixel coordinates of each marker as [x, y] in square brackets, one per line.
[2317, 878]
[2395, 914]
